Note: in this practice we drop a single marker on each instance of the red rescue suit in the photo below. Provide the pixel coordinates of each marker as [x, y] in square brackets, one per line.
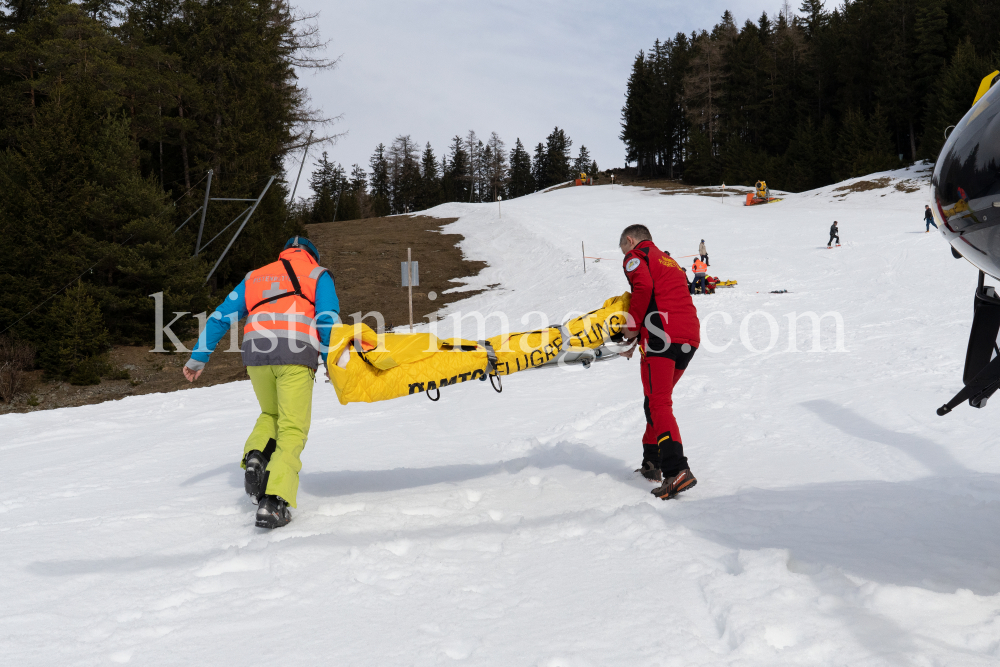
[669, 333]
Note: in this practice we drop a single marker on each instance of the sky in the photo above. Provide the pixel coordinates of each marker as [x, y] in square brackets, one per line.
[436, 69]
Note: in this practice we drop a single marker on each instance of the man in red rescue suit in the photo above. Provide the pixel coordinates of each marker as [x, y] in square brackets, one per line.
[663, 318]
[290, 306]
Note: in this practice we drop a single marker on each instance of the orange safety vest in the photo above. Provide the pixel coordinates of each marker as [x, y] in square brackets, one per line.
[699, 266]
[281, 302]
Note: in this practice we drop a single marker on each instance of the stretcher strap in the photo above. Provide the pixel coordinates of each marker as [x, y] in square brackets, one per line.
[491, 357]
[296, 288]
[491, 367]
[361, 353]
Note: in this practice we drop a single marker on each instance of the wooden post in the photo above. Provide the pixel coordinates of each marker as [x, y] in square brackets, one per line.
[584, 253]
[409, 282]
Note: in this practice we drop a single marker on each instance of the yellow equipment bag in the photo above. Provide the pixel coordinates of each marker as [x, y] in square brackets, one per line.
[366, 367]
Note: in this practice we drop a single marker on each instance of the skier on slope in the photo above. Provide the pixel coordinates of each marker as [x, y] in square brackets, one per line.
[292, 305]
[834, 234]
[703, 252]
[929, 219]
[663, 318]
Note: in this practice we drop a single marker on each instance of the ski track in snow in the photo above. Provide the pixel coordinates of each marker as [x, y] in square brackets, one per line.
[837, 519]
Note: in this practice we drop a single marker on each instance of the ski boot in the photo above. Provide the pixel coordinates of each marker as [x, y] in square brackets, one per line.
[273, 512]
[671, 486]
[255, 476]
[650, 472]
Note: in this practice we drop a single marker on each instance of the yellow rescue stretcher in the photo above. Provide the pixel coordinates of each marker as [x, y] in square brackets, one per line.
[365, 366]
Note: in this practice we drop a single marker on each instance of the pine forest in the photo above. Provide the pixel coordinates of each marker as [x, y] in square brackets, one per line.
[810, 99]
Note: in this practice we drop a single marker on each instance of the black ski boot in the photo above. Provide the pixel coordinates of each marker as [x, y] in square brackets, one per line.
[650, 472]
[272, 512]
[255, 477]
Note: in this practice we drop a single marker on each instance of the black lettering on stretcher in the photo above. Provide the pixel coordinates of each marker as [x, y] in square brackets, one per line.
[416, 386]
[478, 374]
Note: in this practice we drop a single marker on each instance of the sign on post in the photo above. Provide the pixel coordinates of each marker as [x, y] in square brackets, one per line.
[411, 277]
[406, 274]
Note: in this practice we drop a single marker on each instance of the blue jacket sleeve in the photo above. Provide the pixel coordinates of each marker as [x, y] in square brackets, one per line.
[327, 311]
[230, 311]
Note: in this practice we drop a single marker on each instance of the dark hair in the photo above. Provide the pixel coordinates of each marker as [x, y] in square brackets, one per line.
[637, 232]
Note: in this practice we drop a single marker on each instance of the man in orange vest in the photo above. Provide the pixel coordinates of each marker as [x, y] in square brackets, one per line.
[290, 306]
[699, 269]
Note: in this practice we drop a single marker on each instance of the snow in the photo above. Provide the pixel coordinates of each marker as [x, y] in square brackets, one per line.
[837, 519]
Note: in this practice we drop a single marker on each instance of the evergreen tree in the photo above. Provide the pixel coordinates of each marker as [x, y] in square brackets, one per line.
[816, 17]
[72, 199]
[379, 180]
[430, 183]
[540, 167]
[863, 145]
[238, 111]
[951, 95]
[456, 179]
[558, 168]
[522, 181]
[582, 163]
[358, 193]
[325, 182]
[807, 161]
[754, 99]
[104, 107]
[76, 335]
[638, 129]
[931, 49]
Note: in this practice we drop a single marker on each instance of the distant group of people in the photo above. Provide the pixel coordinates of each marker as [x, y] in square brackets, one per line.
[699, 267]
[835, 230]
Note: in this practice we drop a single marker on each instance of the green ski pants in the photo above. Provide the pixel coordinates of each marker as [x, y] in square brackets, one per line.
[285, 397]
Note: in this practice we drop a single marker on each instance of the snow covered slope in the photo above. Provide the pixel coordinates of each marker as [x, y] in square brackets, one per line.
[837, 519]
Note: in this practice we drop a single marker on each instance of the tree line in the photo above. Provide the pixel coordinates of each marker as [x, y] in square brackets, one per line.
[402, 178]
[111, 115]
[806, 100]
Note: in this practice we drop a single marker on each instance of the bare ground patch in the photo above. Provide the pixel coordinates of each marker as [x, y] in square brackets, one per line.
[864, 186]
[364, 257]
